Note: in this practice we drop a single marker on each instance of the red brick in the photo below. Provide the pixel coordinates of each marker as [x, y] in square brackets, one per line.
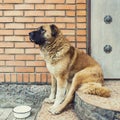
[65, 19]
[81, 32]
[81, 1]
[1, 26]
[24, 69]
[35, 63]
[44, 19]
[19, 78]
[38, 77]
[13, 77]
[26, 77]
[65, 7]
[6, 6]
[14, 38]
[27, 39]
[32, 51]
[43, 77]
[60, 25]
[34, 1]
[71, 38]
[13, 1]
[6, 57]
[70, 13]
[81, 38]
[14, 26]
[32, 77]
[14, 51]
[7, 77]
[38, 57]
[70, 1]
[1, 50]
[6, 44]
[44, 6]
[70, 26]
[32, 25]
[81, 45]
[41, 69]
[15, 63]
[81, 19]
[81, 13]
[2, 63]
[1, 38]
[81, 25]
[13, 13]
[24, 57]
[6, 19]
[6, 32]
[1, 13]
[68, 32]
[54, 1]
[34, 13]
[2, 78]
[55, 13]
[24, 19]
[81, 6]
[24, 6]
[22, 32]
[24, 45]
[6, 69]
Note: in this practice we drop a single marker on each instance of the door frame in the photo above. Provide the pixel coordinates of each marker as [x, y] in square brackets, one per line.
[89, 27]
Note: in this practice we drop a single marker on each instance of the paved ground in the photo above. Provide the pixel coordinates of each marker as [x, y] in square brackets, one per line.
[67, 114]
[14, 95]
[7, 114]
[11, 95]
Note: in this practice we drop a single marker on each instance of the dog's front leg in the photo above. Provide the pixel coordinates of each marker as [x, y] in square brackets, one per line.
[51, 98]
[61, 92]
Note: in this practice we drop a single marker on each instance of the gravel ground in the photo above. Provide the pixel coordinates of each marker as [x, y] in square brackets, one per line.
[13, 95]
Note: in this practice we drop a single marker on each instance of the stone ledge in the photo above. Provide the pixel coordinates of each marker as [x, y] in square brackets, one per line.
[68, 114]
[91, 107]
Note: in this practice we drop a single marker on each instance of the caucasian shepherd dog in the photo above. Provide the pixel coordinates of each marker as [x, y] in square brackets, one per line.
[70, 68]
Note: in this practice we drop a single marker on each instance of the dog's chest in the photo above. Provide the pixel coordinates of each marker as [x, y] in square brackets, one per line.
[53, 68]
[57, 68]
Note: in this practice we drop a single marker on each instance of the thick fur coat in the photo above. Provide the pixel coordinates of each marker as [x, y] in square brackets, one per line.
[70, 68]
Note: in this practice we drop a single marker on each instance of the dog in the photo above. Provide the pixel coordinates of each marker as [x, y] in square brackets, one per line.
[70, 68]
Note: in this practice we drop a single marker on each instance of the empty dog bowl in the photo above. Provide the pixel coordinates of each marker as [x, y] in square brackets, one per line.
[22, 111]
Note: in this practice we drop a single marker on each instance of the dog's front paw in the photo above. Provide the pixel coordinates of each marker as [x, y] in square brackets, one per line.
[54, 110]
[48, 100]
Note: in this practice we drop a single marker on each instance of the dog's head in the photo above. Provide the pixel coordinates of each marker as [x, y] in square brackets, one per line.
[45, 34]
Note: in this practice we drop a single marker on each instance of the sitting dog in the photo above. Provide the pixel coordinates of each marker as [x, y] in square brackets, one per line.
[70, 68]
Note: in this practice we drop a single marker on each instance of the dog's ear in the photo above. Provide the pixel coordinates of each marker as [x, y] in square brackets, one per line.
[54, 30]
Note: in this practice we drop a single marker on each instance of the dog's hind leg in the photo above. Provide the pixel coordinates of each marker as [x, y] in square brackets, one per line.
[84, 76]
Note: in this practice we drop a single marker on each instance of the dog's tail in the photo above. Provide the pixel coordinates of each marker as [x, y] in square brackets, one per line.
[95, 89]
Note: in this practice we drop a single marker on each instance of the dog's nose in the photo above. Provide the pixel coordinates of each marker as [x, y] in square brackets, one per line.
[31, 34]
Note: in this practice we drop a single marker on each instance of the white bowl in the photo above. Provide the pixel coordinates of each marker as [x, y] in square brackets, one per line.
[22, 111]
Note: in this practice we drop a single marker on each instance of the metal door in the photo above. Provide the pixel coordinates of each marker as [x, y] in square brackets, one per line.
[105, 35]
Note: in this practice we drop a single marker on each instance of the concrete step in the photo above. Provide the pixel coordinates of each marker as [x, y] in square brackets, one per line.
[91, 107]
[68, 114]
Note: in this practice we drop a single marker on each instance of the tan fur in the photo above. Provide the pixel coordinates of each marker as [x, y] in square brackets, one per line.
[70, 68]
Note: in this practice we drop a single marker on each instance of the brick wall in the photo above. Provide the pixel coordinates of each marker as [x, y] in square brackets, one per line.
[19, 58]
